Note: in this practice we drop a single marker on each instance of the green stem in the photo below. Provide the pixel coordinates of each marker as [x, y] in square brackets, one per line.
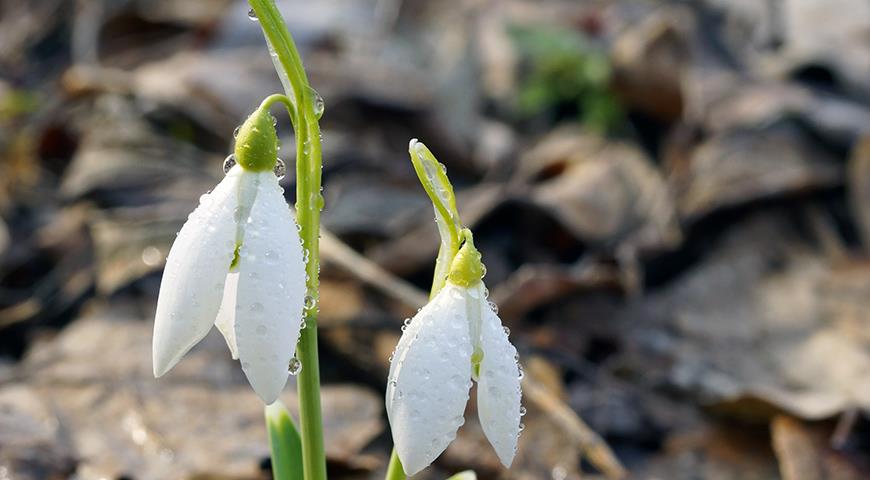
[309, 201]
[395, 470]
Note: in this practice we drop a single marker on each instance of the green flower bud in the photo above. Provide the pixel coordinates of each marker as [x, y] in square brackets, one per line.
[466, 269]
[257, 142]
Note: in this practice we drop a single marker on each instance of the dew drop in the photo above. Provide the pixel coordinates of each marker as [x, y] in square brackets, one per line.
[294, 366]
[493, 306]
[252, 15]
[482, 271]
[298, 227]
[272, 256]
[280, 169]
[407, 321]
[229, 163]
[305, 255]
[236, 131]
[318, 201]
[507, 331]
[274, 121]
[309, 302]
[404, 327]
[522, 426]
[520, 372]
[317, 104]
[522, 411]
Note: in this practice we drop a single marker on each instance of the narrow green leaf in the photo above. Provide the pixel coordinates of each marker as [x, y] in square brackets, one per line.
[284, 442]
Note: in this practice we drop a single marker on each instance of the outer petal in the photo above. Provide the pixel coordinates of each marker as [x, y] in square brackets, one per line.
[193, 280]
[498, 392]
[226, 316]
[429, 380]
[271, 291]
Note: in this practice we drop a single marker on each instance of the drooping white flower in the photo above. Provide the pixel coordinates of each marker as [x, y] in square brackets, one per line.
[237, 263]
[455, 338]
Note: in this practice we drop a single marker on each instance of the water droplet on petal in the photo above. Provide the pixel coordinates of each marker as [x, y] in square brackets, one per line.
[507, 331]
[280, 169]
[408, 321]
[229, 163]
[252, 15]
[310, 302]
[493, 306]
[522, 427]
[272, 256]
[294, 366]
[522, 411]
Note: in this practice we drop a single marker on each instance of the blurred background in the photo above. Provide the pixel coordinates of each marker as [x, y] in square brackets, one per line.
[672, 199]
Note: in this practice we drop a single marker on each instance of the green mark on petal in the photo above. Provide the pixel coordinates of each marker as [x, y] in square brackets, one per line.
[234, 265]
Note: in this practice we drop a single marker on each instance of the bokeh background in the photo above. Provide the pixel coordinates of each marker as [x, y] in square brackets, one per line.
[672, 199]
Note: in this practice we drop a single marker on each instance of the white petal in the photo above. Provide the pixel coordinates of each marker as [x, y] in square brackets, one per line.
[193, 280]
[226, 316]
[498, 388]
[429, 380]
[271, 291]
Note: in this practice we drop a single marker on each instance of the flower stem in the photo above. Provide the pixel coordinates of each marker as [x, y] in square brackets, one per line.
[395, 470]
[309, 201]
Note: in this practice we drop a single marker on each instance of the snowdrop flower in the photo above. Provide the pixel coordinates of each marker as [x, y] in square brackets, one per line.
[455, 338]
[237, 264]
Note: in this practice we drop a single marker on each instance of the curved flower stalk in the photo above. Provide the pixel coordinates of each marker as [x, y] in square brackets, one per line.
[238, 264]
[455, 339]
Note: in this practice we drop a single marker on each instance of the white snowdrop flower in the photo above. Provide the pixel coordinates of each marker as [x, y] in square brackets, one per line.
[237, 264]
[456, 338]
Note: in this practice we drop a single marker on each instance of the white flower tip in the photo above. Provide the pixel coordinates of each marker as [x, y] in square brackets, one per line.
[413, 465]
[268, 389]
[163, 360]
[412, 143]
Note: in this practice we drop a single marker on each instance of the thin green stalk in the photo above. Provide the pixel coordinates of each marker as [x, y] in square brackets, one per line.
[395, 470]
[309, 201]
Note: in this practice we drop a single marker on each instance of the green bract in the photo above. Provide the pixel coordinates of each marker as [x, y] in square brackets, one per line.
[257, 142]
